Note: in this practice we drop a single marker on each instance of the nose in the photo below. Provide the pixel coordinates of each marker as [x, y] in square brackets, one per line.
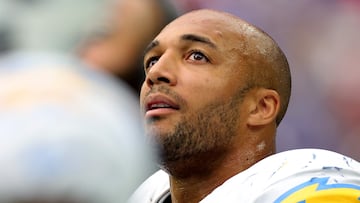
[162, 72]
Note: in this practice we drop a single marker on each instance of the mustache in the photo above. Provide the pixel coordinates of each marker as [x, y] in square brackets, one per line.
[166, 91]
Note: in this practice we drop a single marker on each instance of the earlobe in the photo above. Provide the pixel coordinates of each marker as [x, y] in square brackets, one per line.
[265, 108]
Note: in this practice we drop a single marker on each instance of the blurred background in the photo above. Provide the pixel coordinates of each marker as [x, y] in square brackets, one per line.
[107, 38]
[69, 131]
[321, 40]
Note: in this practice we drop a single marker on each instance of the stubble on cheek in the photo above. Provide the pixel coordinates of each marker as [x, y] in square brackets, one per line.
[210, 129]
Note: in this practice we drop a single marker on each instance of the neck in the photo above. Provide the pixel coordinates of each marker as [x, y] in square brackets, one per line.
[190, 181]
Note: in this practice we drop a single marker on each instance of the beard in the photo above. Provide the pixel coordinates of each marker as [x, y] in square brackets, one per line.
[209, 130]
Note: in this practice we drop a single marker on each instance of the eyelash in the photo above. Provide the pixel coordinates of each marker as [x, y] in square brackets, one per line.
[147, 64]
[198, 52]
[150, 60]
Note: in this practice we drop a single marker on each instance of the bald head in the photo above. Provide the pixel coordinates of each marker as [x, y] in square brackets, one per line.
[266, 64]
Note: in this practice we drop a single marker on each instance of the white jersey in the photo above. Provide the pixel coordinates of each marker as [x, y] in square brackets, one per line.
[302, 175]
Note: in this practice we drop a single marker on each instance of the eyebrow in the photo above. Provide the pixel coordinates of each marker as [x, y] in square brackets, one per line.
[152, 45]
[197, 38]
[185, 37]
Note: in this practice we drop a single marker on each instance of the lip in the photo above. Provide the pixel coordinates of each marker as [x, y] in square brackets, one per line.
[157, 105]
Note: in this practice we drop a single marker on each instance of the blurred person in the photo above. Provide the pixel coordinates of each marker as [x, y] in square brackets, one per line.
[216, 89]
[68, 134]
[118, 49]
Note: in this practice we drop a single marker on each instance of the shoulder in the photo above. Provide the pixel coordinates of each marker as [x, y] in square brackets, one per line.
[152, 189]
[294, 176]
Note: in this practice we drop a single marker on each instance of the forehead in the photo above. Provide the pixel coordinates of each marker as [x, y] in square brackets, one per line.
[215, 26]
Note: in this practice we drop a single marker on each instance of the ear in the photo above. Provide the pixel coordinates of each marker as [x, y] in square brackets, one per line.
[265, 107]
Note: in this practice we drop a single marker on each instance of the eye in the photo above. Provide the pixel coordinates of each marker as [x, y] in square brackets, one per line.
[198, 56]
[151, 61]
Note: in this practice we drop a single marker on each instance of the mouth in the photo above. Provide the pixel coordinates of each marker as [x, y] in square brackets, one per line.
[160, 105]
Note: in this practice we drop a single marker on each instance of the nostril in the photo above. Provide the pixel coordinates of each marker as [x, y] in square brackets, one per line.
[149, 82]
[163, 79]
[152, 79]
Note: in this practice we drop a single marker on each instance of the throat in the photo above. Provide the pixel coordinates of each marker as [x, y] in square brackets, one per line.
[191, 182]
[193, 189]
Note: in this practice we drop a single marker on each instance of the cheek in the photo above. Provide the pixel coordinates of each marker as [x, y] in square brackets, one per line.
[143, 92]
[205, 89]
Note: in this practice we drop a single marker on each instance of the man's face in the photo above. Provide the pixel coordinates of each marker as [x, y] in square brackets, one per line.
[194, 87]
